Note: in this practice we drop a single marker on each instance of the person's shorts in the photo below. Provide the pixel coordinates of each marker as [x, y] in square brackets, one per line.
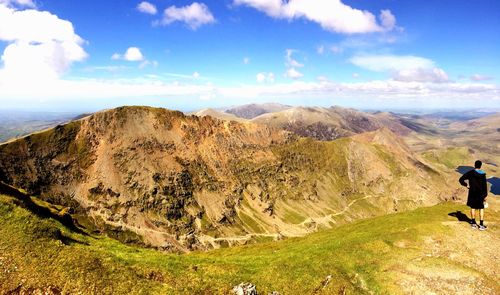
[475, 203]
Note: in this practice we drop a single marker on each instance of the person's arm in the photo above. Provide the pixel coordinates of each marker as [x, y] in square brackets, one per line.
[463, 179]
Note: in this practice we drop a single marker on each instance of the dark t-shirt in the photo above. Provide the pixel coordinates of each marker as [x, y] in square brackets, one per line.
[478, 190]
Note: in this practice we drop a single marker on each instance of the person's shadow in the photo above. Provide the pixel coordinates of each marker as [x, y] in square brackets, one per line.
[460, 216]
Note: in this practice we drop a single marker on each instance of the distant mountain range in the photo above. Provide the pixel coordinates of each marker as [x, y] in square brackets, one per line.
[318, 122]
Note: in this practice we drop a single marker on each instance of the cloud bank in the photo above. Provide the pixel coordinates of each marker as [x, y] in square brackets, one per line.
[331, 15]
[40, 44]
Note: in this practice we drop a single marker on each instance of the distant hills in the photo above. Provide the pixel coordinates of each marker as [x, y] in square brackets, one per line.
[15, 123]
[319, 122]
[218, 114]
[330, 123]
[253, 110]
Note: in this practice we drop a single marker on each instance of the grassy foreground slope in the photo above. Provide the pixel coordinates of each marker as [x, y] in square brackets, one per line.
[412, 253]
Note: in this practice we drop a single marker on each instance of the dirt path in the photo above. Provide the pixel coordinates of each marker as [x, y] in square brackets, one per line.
[460, 261]
[328, 218]
[322, 220]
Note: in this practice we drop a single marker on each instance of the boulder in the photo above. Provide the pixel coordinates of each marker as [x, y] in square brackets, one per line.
[245, 289]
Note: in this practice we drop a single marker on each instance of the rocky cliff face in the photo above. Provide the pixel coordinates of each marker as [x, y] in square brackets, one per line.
[330, 123]
[184, 182]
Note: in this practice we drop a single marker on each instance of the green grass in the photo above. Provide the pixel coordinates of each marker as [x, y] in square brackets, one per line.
[451, 157]
[250, 222]
[293, 217]
[41, 251]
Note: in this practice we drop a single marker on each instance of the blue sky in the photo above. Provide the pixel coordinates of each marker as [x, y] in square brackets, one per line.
[88, 55]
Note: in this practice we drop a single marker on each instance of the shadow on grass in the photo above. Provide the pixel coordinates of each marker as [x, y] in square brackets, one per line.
[26, 202]
[460, 216]
[69, 241]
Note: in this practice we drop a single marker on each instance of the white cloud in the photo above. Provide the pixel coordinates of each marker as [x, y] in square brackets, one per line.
[389, 90]
[290, 61]
[381, 63]
[131, 54]
[146, 7]
[40, 44]
[261, 77]
[194, 15]
[265, 77]
[292, 73]
[246, 60]
[407, 68]
[208, 96]
[355, 75]
[332, 15]
[27, 3]
[147, 63]
[196, 75]
[117, 90]
[387, 19]
[291, 65]
[479, 77]
[435, 75]
[335, 49]
[322, 79]
[110, 69]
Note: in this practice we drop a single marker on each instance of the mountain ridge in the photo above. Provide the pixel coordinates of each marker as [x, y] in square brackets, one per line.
[330, 123]
[185, 182]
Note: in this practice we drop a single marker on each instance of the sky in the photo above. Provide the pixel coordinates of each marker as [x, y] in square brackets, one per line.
[388, 54]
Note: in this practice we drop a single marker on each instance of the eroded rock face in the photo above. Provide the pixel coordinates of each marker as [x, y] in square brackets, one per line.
[330, 123]
[183, 182]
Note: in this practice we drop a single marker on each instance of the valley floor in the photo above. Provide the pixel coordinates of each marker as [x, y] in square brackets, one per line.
[427, 251]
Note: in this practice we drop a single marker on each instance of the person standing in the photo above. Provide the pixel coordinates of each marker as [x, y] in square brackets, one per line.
[478, 192]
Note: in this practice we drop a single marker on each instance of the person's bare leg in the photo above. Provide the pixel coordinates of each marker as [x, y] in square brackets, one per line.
[473, 214]
[481, 215]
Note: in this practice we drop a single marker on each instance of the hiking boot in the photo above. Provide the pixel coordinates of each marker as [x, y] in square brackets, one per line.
[474, 225]
[483, 227]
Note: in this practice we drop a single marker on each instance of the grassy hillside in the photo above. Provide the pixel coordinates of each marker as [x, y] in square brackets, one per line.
[413, 252]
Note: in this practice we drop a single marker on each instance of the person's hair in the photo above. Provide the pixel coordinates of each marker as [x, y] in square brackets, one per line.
[478, 164]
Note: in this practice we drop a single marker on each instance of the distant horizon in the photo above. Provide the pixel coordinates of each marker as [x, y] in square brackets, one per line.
[401, 110]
